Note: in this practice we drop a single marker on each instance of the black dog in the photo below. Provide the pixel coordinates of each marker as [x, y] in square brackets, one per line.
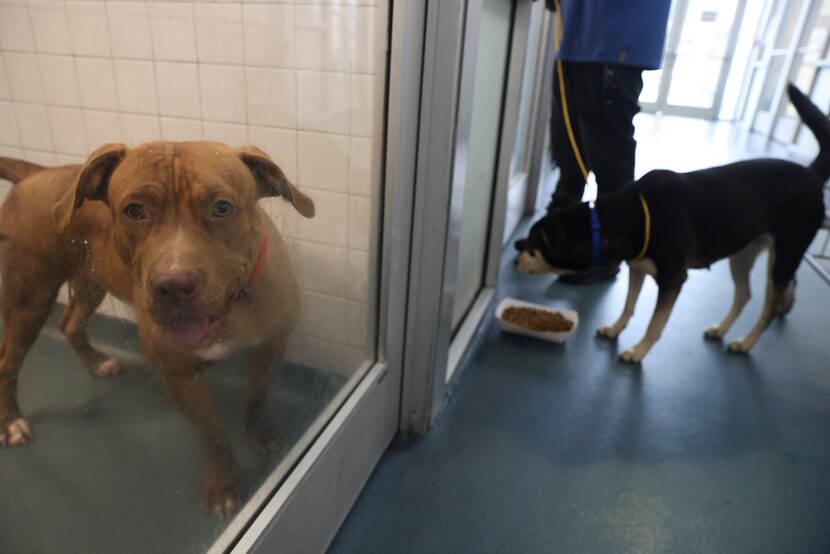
[667, 223]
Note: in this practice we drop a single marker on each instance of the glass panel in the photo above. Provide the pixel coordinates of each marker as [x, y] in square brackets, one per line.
[217, 287]
[491, 63]
[528, 78]
[704, 39]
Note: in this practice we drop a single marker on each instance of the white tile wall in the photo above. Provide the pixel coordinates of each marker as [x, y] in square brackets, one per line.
[293, 77]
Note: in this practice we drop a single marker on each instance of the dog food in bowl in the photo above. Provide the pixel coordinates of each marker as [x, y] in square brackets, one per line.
[534, 319]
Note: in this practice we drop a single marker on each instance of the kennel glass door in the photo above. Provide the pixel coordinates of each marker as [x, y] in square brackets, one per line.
[482, 153]
[111, 459]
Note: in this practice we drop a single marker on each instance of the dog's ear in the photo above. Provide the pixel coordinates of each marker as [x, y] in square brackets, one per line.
[271, 181]
[91, 183]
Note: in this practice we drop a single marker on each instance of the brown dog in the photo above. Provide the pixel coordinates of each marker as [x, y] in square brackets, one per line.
[175, 230]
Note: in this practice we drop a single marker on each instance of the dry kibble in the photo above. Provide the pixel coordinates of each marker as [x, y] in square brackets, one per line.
[534, 319]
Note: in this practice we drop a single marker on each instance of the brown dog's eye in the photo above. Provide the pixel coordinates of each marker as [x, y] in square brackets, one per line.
[222, 208]
[134, 211]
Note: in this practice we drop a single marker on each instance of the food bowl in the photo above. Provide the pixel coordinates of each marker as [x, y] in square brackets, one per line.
[550, 336]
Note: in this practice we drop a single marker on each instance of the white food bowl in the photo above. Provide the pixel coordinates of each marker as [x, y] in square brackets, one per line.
[550, 336]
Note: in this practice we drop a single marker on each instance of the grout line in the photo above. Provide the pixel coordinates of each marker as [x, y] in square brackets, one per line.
[153, 63]
[183, 62]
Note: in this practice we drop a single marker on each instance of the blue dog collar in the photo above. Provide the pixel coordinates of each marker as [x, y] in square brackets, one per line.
[595, 236]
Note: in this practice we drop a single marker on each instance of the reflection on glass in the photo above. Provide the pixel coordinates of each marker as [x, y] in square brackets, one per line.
[183, 315]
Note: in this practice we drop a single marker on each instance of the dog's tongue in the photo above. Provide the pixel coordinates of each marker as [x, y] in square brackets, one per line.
[185, 333]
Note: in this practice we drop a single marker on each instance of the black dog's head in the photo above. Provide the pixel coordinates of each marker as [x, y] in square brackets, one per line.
[558, 243]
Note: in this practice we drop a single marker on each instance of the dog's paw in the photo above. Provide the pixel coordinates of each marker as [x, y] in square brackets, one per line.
[222, 498]
[110, 367]
[264, 436]
[714, 332]
[15, 433]
[632, 355]
[739, 346]
[608, 331]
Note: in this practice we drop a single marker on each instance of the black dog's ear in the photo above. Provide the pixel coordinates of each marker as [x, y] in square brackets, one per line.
[520, 245]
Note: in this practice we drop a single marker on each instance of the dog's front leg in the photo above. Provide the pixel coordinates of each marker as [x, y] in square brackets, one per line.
[636, 277]
[666, 296]
[260, 429]
[190, 392]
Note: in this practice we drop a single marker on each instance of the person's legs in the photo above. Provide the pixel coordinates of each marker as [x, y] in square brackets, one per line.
[571, 184]
[607, 129]
[608, 101]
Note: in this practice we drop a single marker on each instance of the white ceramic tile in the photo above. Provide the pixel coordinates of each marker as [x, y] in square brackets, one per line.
[15, 31]
[60, 82]
[11, 152]
[280, 145]
[8, 130]
[326, 356]
[136, 83]
[330, 224]
[139, 129]
[325, 269]
[219, 33]
[97, 83]
[323, 161]
[337, 2]
[362, 105]
[68, 159]
[130, 30]
[173, 31]
[229, 133]
[24, 77]
[360, 217]
[5, 91]
[326, 37]
[358, 276]
[68, 131]
[180, 129]
[269, 35]
[178, 89]
[360, 166]
[51, 29]
[40, 157]
[88, 28]
[363, 57]
[323, 101]
[324, 317]
[271, 94]
[358, 324]
[223, 93]
[34, 129]
[102, 128]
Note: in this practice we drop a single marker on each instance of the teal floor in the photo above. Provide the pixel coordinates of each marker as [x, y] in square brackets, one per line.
[113, 467]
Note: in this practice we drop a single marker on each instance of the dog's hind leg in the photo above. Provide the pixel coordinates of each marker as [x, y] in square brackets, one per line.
[84, 299]
[261, 431]
[24, 313]
[636, 277]
[740, 265]
[784, 257]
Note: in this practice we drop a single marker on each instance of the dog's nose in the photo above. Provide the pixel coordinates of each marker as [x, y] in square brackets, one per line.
[175, 287]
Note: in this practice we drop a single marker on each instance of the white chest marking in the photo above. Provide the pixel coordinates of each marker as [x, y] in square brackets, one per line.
[222, 349]
[646, 265]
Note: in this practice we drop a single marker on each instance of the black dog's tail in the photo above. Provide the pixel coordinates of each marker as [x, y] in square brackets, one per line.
[15, 170]
[818, 124]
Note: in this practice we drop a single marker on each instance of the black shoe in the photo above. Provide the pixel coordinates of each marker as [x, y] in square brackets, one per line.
[590, 276]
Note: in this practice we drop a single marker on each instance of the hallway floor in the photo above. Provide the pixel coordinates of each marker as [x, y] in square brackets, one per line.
[561, 448]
